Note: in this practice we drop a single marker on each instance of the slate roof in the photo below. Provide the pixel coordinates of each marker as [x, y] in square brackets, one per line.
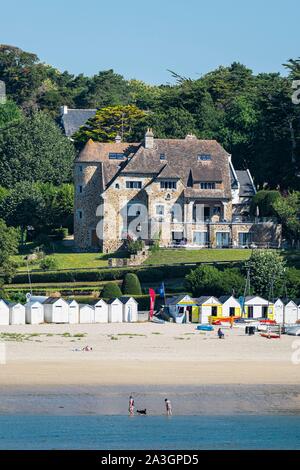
[182, 162]
[52, 300]
[246, 185]
[75, 118]
[224, 298]
[176, 299]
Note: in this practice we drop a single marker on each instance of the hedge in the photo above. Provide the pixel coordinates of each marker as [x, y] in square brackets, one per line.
[145, 274]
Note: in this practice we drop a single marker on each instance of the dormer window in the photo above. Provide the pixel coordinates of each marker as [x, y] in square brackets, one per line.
[168, 185]
[116, 156]
[204, 157]
[162, 156]
[210, 185]
[133, 185]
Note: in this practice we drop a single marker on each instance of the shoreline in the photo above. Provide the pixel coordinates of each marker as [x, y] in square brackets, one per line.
[205, 400]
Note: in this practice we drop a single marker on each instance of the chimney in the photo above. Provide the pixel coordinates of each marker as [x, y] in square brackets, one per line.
[63, 110]
[118, 139]
[149, 139]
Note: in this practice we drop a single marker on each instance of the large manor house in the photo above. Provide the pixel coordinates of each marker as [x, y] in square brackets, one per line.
[180, 192]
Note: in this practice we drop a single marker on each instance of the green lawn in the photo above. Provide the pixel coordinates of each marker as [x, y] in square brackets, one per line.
[172, 256]
[71, 261]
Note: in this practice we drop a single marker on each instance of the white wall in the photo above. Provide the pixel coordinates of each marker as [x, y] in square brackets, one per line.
[130, 311]
[115, 312]
[17, 315]
[86, 314]
[101, 312]
[34, 313]
[73, 313]
[4, 313]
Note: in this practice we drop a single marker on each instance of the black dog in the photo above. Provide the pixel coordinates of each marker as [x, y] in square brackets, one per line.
[142, 412]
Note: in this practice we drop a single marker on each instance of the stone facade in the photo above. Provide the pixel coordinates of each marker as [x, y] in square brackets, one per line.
[180, 192]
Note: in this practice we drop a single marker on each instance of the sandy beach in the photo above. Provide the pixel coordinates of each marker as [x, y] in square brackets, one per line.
[149, 360]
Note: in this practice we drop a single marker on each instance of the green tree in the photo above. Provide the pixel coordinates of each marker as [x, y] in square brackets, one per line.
[204, 280]
[9, 239]
[111, 290]
[131, 285]
[287, 209]
[108, 122]
[267, 267]
[35, 150]
[265, 200]
[9, 114]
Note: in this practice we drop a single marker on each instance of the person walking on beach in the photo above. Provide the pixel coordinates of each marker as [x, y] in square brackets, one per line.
[131, 405]
[168, 407]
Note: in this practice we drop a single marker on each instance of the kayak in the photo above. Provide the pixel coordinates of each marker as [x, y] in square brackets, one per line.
[205, 328]
[270, 335]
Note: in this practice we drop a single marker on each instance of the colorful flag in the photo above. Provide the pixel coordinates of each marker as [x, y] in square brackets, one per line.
[161, 291]
[152, 302]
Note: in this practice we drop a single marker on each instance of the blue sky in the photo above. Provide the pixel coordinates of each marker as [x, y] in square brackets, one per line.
[142, 39]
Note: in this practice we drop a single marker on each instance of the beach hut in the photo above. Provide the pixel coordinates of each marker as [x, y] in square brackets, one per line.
[290, 311]
[230, 306]
[257, 307]
[278, 311]
[183, 309]
[34, 313]
[4, 312]
[297, 302]
[101, 311]
[86, 313]
[209, 308]
[56, 310]
[130, 309]
[73, 311]
[16, 314]
[115, 311]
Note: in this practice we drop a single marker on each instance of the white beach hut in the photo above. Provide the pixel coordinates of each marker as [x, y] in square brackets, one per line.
[34, 312]
[16, 314]
[130, 309]
[230, 306]
[86, 313]
[101, 312]
[297, 302]
[257, 307]
[290, 313]
[209, 306]
[115, 311]
[4, 312]
[56, 310]
[278, 311]
[73, 311]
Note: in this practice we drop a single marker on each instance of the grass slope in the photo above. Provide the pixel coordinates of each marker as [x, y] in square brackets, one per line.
[172, 256]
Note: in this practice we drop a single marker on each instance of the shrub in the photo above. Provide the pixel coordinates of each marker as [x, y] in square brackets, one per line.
[111, 290]
[49, 263]
[204, 280]
[133, 246]
[60, 233]
[131, 285]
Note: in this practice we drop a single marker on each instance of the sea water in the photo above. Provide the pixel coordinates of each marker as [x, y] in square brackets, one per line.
[149, 432]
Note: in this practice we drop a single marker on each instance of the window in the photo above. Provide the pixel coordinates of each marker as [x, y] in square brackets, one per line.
[162, 156]
[245, 239]
[133, 184]
[168, 185]
[200, 238]
[116, 156]
[208, 185]
[117, 186]
[79, 214]
[222, 239]
[80, 168]
[204, 157]
[217, 210]
[80, 189]
[160, 210]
